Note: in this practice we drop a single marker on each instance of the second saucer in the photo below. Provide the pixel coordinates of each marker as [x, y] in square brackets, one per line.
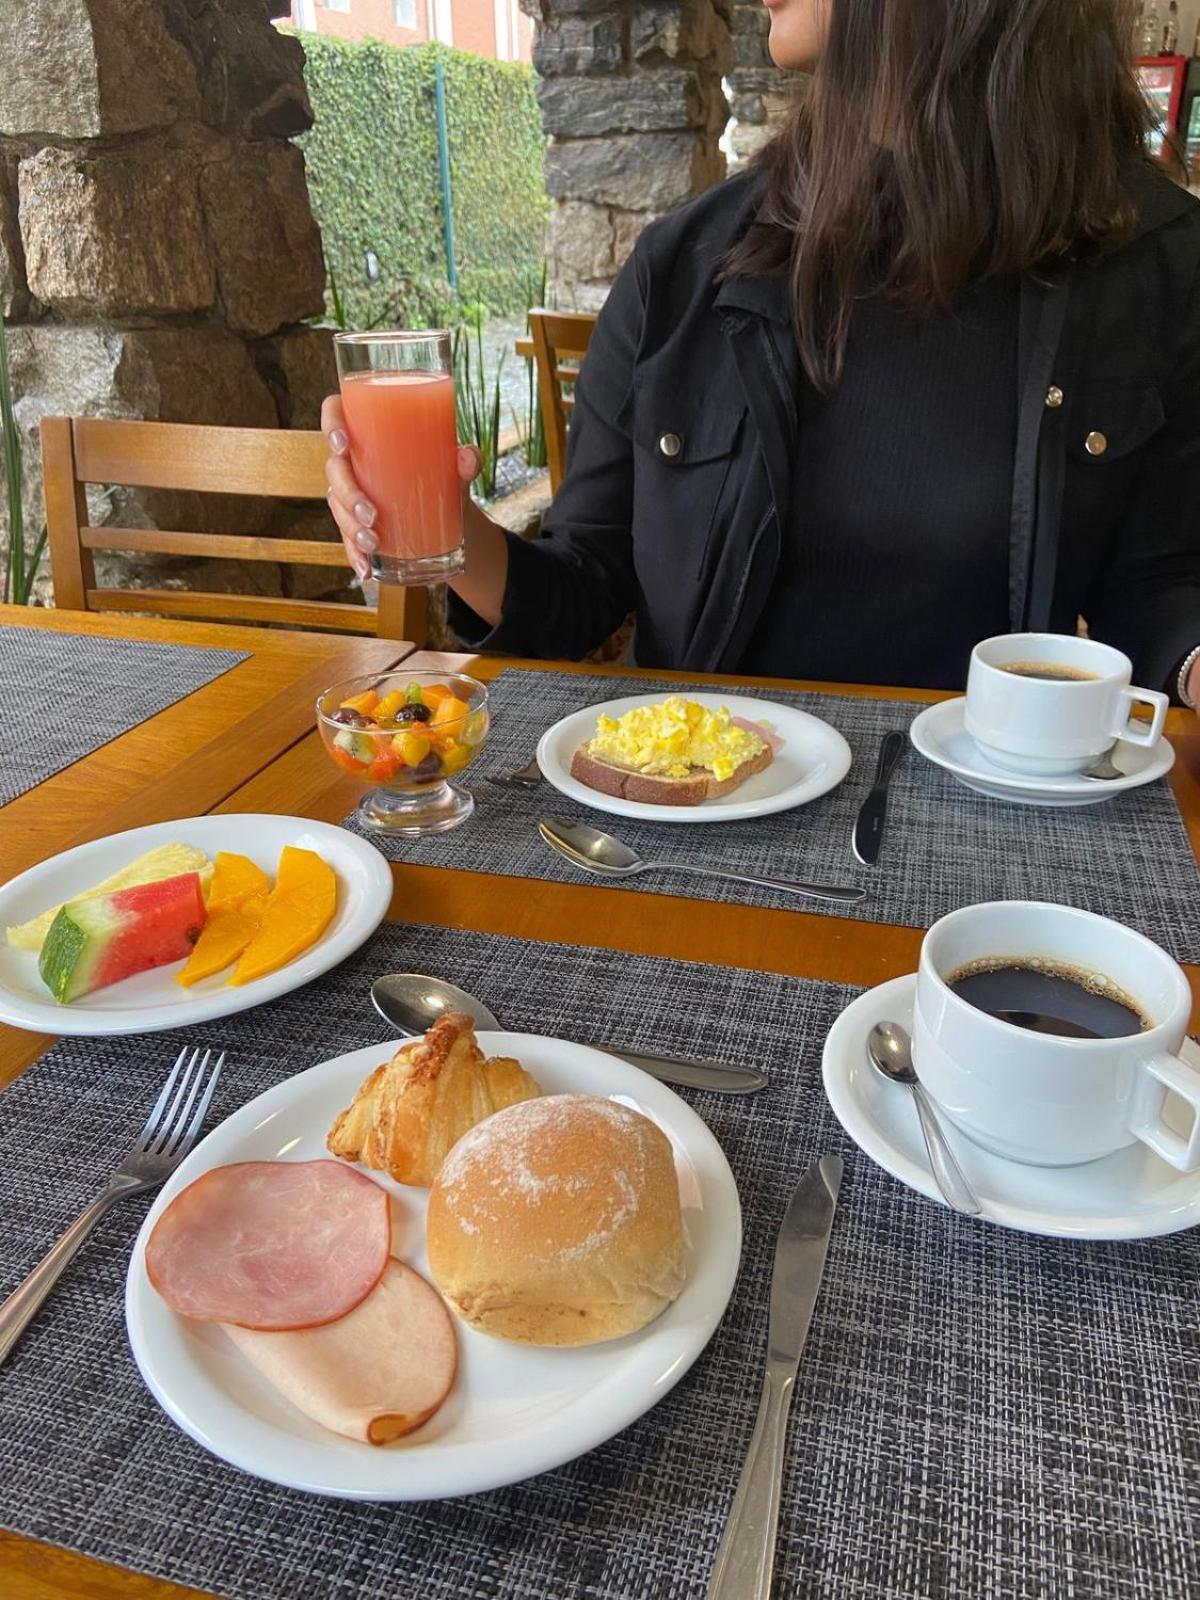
[939, 734]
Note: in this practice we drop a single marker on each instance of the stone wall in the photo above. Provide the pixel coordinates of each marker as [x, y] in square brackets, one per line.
[158, 253]
[759, 93]
[632, 101]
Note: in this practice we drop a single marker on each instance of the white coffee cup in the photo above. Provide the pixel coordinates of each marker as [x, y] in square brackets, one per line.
[1055, 726]
[1041, 1098]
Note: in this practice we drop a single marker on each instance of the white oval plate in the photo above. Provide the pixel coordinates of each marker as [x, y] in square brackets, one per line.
[153, 1000]
[814, 759]
[939, 733]
[1129, 1195]
[514, 1411]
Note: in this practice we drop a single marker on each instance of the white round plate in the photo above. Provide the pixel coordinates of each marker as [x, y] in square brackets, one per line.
[153, 1000]
[1129, 1195]
[515, 1411]
[814, 759]
[940, 734]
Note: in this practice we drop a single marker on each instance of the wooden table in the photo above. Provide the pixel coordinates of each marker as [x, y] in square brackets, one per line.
[231, 771]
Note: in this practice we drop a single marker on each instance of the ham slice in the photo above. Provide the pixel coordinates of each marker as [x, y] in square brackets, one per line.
[271, 1244]
[763, 732]
[376, 1374]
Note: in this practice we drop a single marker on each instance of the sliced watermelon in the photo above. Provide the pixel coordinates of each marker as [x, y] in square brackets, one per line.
[97, 941]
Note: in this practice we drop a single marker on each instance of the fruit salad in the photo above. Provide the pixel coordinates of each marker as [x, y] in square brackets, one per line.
[409, 731]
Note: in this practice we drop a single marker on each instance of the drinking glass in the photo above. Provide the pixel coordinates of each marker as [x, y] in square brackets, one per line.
[398, 395]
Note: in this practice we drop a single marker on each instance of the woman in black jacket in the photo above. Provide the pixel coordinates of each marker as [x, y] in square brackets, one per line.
[928, 371]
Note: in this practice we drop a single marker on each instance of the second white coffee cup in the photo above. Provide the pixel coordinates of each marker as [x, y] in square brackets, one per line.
[1052, 726]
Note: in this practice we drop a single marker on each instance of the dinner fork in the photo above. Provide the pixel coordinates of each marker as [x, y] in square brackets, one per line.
[169, 1133]
[526, 777]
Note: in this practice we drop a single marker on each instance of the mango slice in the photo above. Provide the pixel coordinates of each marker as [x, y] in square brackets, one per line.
[234, 879]
[236, 901]
[299, 909]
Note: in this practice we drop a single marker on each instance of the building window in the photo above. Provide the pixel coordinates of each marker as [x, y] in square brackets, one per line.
[404, 13]
[305, 12]
[337, 5]
[443, 21]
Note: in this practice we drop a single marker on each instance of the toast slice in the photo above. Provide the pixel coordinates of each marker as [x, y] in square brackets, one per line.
[654, 789]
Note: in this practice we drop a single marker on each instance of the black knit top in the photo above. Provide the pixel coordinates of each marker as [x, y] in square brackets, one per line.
[891, 572]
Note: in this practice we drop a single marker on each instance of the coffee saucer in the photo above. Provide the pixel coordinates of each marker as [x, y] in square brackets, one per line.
[940, 734]
[1129, 1195]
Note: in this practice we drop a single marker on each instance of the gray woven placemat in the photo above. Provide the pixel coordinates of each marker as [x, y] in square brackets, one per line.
[978, 1413]
[65, 695]
[945, 846]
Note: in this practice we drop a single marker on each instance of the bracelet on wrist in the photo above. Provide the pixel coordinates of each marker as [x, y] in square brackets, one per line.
[1181, 684]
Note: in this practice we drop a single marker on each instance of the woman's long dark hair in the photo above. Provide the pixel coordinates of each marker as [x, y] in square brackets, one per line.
[941, 141]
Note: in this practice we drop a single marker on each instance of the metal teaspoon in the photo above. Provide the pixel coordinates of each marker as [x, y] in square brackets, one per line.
[891, 1053]
[612, 858]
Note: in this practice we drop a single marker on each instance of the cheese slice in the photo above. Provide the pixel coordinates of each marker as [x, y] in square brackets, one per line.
[165, 861]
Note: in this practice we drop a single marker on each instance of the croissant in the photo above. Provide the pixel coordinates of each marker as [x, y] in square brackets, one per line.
[411, 1110]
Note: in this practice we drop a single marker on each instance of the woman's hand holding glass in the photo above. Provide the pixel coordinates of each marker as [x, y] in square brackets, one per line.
[352, 510]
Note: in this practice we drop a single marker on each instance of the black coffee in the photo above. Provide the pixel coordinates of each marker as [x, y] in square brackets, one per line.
[1057, 671]
[1049, 998]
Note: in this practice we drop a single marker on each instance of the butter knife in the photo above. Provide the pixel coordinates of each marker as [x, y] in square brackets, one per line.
[868, 829]
[746, 1558]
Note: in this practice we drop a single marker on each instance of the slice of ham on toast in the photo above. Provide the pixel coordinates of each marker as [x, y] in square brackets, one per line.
[761, 730]
[655, 789]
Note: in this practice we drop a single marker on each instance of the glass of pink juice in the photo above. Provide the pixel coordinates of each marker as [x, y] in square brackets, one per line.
[398, 396]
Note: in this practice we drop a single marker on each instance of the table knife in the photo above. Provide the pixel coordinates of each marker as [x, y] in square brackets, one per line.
[868, 829]
[746, 1558]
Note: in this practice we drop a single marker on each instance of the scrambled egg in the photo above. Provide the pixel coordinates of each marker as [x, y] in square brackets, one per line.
[668, 740]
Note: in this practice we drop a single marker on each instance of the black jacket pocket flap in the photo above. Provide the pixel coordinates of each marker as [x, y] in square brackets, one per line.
[1111, 419]
[679, 434]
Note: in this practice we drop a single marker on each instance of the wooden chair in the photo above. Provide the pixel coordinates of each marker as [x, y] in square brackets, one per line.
[558, 343]
[164, 455]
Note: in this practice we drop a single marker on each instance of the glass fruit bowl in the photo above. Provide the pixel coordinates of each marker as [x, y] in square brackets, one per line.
[406, 734]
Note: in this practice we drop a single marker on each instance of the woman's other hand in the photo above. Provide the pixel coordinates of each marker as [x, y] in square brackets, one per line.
[351, 507]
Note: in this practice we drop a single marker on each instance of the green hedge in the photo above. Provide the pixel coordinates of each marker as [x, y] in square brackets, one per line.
[373, 174]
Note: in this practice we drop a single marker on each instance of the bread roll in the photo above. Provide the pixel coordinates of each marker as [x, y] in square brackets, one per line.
[557, 1222]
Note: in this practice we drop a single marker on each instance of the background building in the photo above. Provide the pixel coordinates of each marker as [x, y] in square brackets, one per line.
[496, 28]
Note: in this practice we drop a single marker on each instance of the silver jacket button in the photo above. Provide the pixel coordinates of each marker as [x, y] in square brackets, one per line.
[670, 444]
[1095, 444]
[1054, 396]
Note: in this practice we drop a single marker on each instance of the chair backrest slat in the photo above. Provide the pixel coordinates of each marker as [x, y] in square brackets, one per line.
[211, 607]
[211, 546]
[175, 455]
